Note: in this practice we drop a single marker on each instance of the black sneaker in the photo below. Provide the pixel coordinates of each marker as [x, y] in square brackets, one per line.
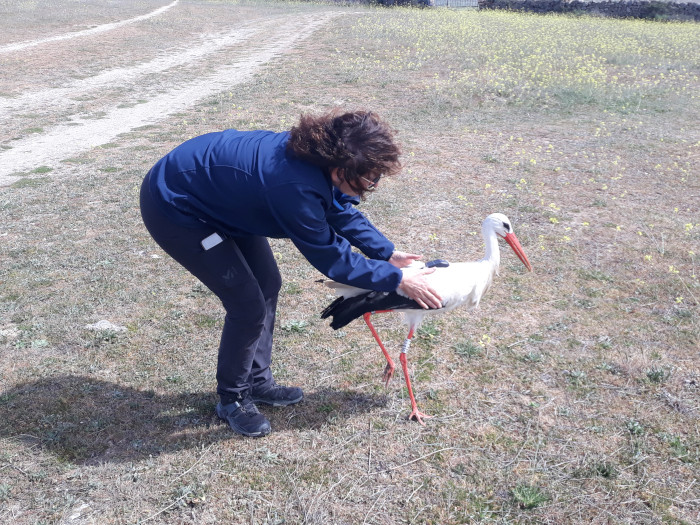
[276, 395]
[243, 417]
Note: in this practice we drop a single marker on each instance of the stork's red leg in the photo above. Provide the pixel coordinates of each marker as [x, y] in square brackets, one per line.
[389, 369]
[415, 413]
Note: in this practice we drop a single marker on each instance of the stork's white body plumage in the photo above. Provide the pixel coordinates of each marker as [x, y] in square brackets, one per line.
[459, 284]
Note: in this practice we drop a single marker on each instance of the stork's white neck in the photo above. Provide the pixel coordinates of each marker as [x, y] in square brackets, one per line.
[493, 252]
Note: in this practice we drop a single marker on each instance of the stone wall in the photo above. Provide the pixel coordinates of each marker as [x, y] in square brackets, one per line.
[647, 9]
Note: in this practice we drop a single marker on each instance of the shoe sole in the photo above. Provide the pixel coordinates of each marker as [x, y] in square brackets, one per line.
[238, 429]
[258, 401]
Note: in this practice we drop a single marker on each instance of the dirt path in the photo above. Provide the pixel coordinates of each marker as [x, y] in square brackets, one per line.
[64, 95]
[9, 48]
[163, 85]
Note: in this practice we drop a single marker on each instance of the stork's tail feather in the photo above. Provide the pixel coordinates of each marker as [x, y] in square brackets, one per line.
[345, 310]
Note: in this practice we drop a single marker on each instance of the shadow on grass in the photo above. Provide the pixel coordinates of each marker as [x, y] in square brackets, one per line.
[85, 420]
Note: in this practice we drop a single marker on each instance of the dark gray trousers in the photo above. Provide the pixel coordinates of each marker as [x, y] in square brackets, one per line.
[242, 272]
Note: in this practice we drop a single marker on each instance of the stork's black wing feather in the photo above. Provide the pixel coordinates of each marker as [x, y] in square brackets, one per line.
[329, 310]
[343, 310]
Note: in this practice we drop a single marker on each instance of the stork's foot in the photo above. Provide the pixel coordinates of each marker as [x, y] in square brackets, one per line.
[388, 373]
[416, 415]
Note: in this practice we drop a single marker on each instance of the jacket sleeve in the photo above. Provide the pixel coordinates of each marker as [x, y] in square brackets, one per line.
[350, 223]
[301, 212]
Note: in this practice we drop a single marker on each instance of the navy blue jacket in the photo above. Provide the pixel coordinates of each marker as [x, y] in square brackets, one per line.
[246, 183]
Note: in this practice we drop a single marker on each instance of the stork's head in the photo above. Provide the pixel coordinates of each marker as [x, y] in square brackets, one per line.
[501, 226]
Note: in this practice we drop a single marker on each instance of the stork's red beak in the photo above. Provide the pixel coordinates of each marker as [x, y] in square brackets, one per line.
[515, 244]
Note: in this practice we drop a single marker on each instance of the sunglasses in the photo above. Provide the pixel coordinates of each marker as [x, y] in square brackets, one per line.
[371, 183]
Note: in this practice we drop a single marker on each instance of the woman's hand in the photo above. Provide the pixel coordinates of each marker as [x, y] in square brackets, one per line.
[403, 259]
[416, 287]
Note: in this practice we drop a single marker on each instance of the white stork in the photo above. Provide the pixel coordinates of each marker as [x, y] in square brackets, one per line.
[458, 284]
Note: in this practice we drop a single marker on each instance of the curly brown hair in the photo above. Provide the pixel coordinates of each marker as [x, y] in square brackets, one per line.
[358, 143]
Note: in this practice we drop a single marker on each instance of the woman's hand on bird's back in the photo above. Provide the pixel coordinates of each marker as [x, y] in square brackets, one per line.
[417, 287]
[403, 259]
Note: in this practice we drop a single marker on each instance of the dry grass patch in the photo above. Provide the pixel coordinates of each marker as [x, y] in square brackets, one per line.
[571, 396]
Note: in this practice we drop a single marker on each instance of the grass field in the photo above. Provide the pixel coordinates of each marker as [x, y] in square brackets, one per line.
[571, 396]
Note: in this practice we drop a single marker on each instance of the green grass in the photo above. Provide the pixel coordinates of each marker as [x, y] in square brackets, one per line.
[468, 349]
[28, 182]
[529, 497]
